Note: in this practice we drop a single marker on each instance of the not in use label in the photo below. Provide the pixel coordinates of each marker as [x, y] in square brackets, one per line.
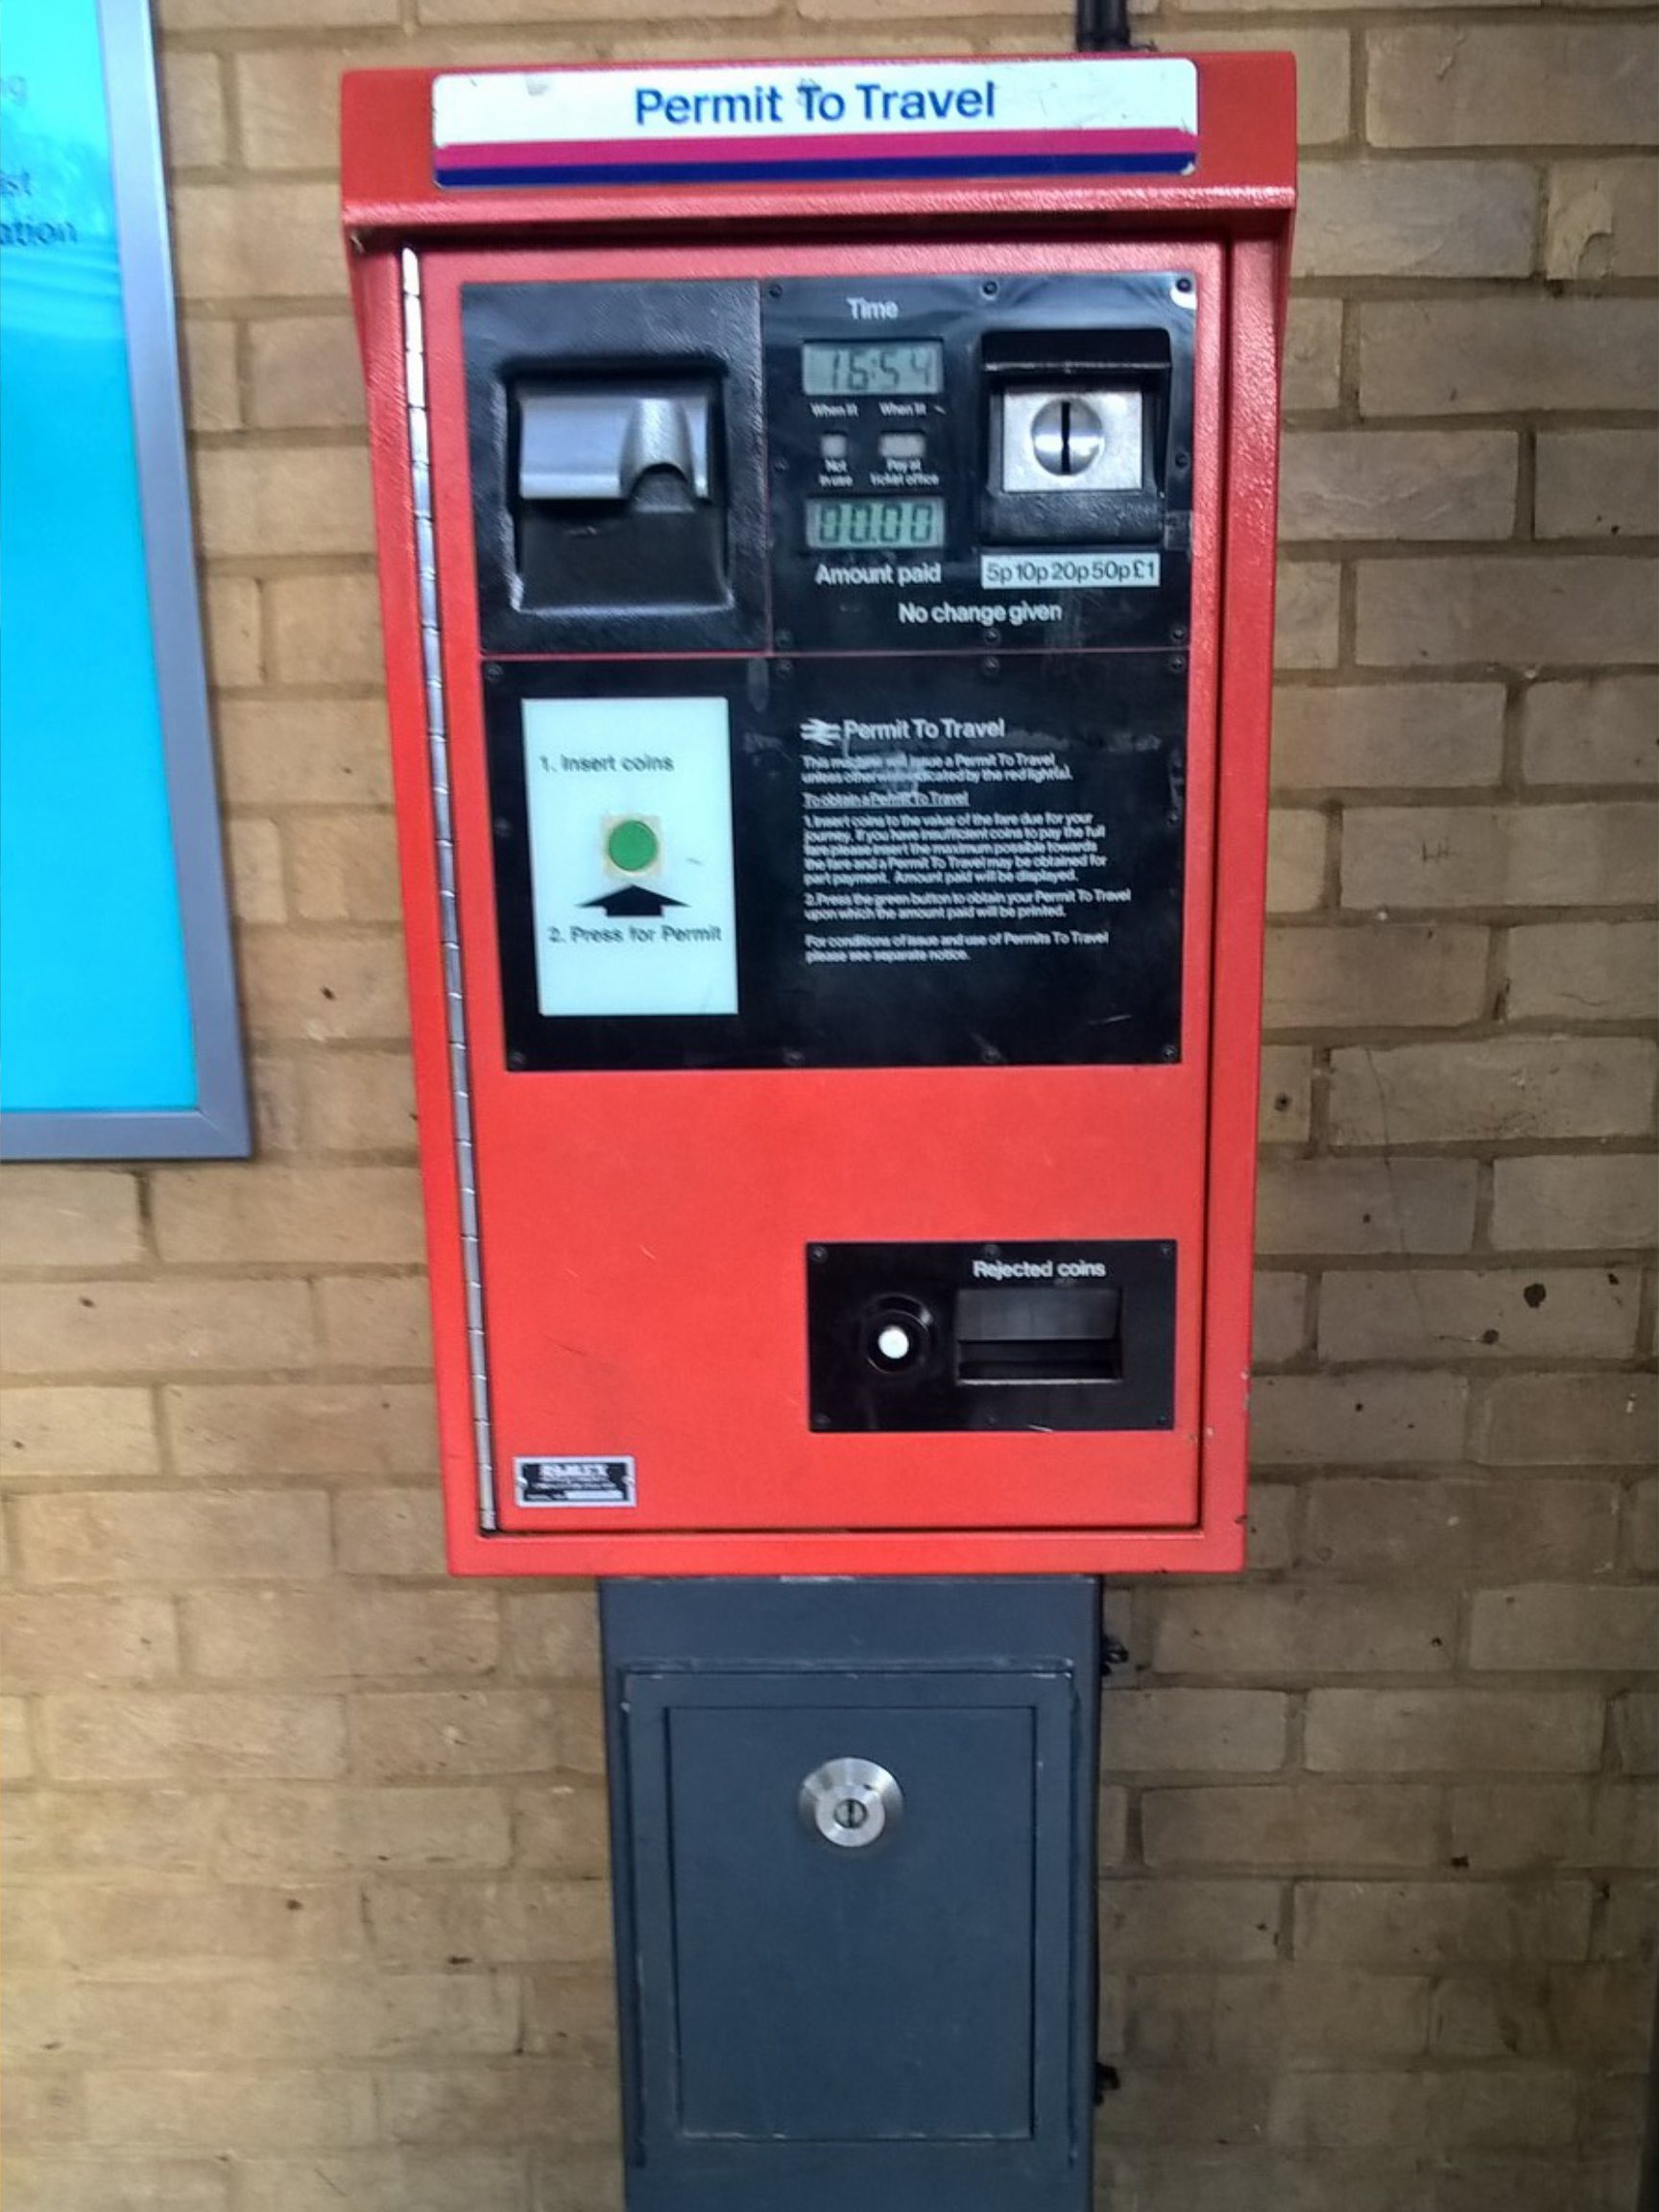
[564, 1483]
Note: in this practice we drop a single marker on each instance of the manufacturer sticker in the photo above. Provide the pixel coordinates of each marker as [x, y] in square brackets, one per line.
[573, 1481]
[731, 125]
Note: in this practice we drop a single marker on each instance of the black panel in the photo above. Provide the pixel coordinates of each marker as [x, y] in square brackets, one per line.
[910, 2026]
[691, 596]
[935, 1337]
[928, 875]
[1135, 330]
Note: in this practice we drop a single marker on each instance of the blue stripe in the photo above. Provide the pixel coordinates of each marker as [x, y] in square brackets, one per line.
[717, 172]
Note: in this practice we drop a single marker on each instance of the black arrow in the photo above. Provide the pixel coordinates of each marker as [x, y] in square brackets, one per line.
[633, 903]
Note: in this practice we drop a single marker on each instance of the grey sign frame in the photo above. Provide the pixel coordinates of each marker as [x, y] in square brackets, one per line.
[217, 1125]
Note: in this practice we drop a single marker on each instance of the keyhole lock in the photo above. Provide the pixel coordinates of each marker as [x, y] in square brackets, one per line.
[851, 1802]
[1066, 435]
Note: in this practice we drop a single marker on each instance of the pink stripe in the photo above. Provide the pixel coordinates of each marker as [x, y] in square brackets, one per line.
[880, 144]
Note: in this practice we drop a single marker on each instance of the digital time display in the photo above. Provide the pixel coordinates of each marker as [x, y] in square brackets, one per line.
[908, 368]
[886, 525]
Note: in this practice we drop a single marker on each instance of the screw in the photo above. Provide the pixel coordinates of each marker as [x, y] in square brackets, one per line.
[990, 288]
[494, 671]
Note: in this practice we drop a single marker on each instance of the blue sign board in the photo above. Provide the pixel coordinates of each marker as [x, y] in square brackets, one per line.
[118, 1030]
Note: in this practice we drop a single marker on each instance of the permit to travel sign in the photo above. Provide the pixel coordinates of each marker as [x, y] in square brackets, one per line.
[1090, 117]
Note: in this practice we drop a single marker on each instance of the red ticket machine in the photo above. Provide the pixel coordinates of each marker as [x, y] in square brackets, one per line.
[827, 525]
[825, 518]
[828, 533]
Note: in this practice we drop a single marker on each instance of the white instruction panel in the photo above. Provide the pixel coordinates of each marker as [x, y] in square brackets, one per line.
[630, 861]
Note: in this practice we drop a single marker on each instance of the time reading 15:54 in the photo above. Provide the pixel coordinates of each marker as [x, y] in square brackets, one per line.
[905, 368]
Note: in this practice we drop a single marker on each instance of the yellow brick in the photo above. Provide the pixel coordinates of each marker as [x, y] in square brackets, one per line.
[1488, 356]
[345, 867]
[162, 1326]
[121, 1832]
[561, 1828]
[111, 1923]
[578, 2182]
[314, 751]
[264, 2111]
[390, 1531]
[1492, 1313]
[289, 102]
[1597, 484]
[370, 1321]
[554, 1633]
[263, 501]
[1582, 972]
[435, 2179]
[285, 1835]
[270, 1430]
[1399, 976]
[42, 2107]
[1504, 1088]
[359, 1103]
[69, 1217]
[276, 1086]
[1382, 1418]
[157, 1536]
[1593, 729]
[508, 1922]
[1417, 735]
[324, 985]
[1297, 838]
[1591, 1626]
[264, 2016]
[230, 612]
[1513, 85]
[275, 15]
[1279, 1325]
[194, 129]
[570, 2014]
[340, 1216]
[1227, 1628]
[1449, 1731]
[1365, 1206]
[195, 1736]
[17, 1752]
[420, 1735]
[1388, 219]
[1562, 1203]
[325, 630]
[259, 241]
[305, 372]
[482, 2103]
[1602, 219]
[1399, 484]
[1404, 856]
[1573, 609]
[1307, 602]
[123, 2182]
[1287, 1093]
[267, 1635]
[57, 1639]
[254, 857]
[213, 400]
[1312, 356]
[1567, 1420]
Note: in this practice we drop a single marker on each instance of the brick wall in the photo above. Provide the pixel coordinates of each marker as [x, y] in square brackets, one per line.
[305, 1844]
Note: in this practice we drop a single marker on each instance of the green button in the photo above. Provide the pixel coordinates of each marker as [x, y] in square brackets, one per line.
[631, 846]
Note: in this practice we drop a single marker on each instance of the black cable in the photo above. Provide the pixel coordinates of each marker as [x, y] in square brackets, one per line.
[1102, 26]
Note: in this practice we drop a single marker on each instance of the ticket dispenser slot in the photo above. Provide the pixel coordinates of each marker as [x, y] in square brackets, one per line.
[616, 435]
[619, 493]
